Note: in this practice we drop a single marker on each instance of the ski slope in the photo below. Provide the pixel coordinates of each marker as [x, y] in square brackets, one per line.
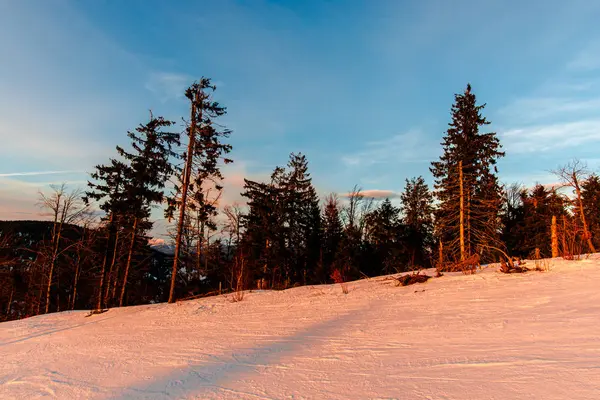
[484, 336]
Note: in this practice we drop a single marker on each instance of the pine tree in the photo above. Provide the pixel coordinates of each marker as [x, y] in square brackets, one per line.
[108, 190]
[264, 236]
[513, 219]
[333, 232]
[527, 220]
[150, 169]
[590, 196]
[283, 226]
[384, 232]
[537, 220]
[205, 151]
[466, 185]
[417, 209]
[302, 219]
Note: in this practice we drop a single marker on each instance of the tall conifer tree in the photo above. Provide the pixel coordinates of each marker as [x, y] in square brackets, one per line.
[466, 185]
[150, 168]
[333, 232]
[590, 196]
[417, 210]
[205, 151]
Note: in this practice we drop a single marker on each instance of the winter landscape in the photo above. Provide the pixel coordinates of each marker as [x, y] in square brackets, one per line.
[277, 199]
[483, 336]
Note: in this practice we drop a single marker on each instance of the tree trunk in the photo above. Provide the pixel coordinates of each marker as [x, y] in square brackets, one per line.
[586, 232]
[129, 255]
[75, 281]
[184, 191]
[263, 281]
[56, 242]
[105, 261]
[554, 238]
[564, 236]
[40, 292]
[206, 248]
[112, 274]
[468, 249]
[200, 230]
[462, 212]
[9, 307]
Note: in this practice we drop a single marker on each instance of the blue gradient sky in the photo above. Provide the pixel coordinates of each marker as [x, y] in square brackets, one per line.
[364, 88]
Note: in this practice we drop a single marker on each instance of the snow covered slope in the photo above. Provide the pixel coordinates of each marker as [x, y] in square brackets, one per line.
[485, 336]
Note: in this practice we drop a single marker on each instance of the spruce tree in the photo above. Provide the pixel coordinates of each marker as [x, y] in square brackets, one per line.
[527, 220]
[302, 219]
[417, 210]
[466, 185]
[150, 168]
[264, 239]
[590, 196]
[205, 151]
[536, 223]
[283, 226]
[513, 219]
[333, 232]
[107, 188]
[384, 232]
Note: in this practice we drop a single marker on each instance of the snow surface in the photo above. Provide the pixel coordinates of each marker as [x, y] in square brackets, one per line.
[484, 336]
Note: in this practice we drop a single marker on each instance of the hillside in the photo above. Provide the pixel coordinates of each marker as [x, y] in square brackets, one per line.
[483, 336]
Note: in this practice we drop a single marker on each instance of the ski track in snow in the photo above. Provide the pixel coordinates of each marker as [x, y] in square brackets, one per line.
[483, 336]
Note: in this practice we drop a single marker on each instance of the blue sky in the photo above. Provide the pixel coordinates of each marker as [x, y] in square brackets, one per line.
[363, 88]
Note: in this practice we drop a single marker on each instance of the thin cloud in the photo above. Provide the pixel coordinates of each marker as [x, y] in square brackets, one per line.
[37, 173]
[167, 85]
[537, 108]
[375, 194]
[588, 59]
[404, 147]
[540, 138]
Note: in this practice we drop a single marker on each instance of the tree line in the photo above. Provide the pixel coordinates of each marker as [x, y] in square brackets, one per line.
[95, 252]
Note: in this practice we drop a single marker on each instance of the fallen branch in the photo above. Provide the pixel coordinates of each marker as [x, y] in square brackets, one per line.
[411, 279]
[513, 266]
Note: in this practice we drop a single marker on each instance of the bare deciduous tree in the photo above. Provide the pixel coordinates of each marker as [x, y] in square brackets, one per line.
[65, 207]
[572, 175]
[233, 227]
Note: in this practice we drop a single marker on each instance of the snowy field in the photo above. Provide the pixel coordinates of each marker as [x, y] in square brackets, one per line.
[484, 336]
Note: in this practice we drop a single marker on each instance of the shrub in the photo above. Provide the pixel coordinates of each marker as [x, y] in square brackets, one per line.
[337, 277]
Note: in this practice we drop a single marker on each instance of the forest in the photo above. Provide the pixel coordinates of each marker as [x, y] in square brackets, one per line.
[94, 249]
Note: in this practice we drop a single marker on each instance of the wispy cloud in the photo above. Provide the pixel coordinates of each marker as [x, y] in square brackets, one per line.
[588, 59]
[36, 173]
[537, 108]
[562, 113]
[376, 194]
[168, 85]
[539, 138]
[404, 147]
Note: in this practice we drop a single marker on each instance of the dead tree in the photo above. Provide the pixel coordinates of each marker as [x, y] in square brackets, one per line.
[233, 228]
[65, 208]
[572, 175]
[554, 236]
[185, 184]
[462, 211]
[134, 232]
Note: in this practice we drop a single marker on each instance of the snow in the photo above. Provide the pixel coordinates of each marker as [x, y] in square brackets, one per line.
[483, 336]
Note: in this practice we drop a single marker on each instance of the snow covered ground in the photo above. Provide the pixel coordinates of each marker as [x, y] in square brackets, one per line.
[485, 336]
